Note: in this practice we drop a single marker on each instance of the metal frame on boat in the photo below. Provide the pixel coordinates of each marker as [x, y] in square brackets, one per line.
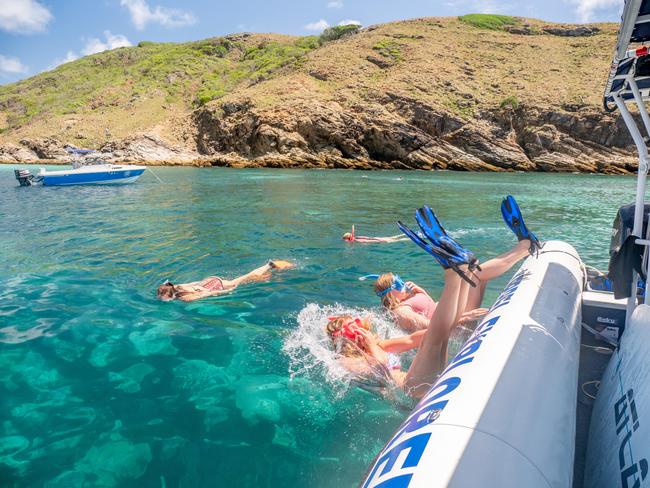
[627, 82]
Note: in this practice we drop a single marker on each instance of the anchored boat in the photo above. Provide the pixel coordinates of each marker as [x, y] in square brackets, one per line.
[86, 171]
[514, 408]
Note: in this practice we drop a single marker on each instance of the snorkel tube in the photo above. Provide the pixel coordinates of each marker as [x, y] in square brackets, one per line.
[397, 284]
[349, 236]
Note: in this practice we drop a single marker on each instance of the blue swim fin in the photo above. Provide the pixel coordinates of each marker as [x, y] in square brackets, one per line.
[436, 233]
[446, 259]
[515, 221]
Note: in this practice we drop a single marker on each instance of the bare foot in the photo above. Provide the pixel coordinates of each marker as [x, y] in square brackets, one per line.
[280, 264]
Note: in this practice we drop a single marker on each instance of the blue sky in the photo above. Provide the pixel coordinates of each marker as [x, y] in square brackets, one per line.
[37, 35]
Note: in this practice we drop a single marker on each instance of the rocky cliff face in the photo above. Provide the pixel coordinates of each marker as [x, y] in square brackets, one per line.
[400, 133]
[391, 133]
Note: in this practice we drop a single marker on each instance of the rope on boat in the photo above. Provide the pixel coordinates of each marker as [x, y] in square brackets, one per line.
[599, 336]
[596, 384]
[156, 176]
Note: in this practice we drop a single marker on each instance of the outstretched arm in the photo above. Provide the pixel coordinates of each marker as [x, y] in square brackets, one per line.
[403, 343]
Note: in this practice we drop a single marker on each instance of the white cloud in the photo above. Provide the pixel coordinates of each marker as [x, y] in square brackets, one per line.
[335, 4]
[69, 57]
[585, 9]
[113, 41]
[23, 16]
[94, 45]
[349, 22]
[142, 14]
[9, 65]
[321, 25]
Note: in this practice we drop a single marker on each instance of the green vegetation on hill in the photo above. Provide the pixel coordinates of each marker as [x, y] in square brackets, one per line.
[488, 21]
[462, 65]
[337, 32]
[188, 74]
[389, 48]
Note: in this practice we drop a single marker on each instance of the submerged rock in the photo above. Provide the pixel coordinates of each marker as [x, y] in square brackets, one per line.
[113, 460]
[131, 378]
[155, 340]
[105, 353]
[67, 479]
[10, 448]
[204, 384]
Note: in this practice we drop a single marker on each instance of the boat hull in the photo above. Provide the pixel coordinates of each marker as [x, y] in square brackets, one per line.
[503, 413]
[108, 176]
[619, 435]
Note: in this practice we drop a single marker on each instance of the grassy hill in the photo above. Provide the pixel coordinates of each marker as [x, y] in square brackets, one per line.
[461, 66]
[139, 87]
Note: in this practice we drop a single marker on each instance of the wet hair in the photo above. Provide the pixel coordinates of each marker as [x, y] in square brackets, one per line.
[384, 282]
[378, 376]
[347, 236]
[166, 291]
[344, 346]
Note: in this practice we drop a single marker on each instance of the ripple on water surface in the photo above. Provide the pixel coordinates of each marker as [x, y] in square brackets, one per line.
[103, 385]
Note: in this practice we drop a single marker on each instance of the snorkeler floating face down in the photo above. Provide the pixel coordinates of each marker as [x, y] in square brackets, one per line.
[214, 285]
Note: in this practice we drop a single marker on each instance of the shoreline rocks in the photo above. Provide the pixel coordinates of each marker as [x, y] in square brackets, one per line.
[389, 132]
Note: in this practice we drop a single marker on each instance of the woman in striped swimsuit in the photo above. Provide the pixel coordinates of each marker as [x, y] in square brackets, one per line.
[214, 285]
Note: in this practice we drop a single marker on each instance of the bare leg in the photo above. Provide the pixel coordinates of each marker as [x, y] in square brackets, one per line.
[494, 268]
[463, 298]
[257, 274]
[428, 361]
[463, 295]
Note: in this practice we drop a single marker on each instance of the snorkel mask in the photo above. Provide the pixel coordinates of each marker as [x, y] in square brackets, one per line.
[167, 298]
[398, 285]
[349, 330]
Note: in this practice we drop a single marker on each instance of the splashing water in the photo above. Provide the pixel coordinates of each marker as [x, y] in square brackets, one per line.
[312, 355]
[310, 349]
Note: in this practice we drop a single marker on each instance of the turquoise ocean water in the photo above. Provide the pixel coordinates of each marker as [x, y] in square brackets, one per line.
[103, 385]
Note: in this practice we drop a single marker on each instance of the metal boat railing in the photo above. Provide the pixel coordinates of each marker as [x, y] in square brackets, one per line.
[623, 88]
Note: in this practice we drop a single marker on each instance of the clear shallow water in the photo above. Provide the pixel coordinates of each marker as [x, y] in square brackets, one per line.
[102, 384]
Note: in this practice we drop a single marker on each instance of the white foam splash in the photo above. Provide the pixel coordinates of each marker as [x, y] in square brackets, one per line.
[310, 350]
[312, 356]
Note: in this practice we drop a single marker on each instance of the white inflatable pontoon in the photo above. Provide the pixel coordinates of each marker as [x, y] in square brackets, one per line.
[502, 413]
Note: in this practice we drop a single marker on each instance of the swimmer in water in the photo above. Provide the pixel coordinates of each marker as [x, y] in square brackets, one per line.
[366, 355]
[412, 307]
[352, 237]
[214, 285]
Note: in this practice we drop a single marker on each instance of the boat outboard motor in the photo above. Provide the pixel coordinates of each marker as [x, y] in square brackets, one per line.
[24, 177]
[625, 256]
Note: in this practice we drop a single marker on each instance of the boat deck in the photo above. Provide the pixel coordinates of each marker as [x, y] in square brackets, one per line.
[592, 366]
